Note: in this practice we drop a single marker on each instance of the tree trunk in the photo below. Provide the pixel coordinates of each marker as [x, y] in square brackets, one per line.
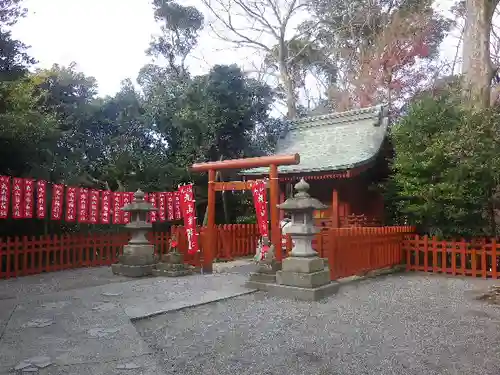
[291, 102]
[477, 68]
[286, 79]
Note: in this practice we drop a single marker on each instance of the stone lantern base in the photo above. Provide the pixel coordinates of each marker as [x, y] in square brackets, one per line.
[173, 267]
[304, 278]
[265, 274]
[136, 261]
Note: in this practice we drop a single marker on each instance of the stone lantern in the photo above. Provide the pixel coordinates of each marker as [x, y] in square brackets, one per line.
[138, 257]
[303, 274]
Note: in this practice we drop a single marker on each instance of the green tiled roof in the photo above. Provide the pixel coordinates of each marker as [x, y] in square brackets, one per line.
[332, 142]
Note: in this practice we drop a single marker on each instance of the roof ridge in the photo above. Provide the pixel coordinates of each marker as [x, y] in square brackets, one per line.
[338, 116]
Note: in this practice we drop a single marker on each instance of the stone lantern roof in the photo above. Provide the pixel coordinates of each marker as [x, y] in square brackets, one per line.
[139, 204]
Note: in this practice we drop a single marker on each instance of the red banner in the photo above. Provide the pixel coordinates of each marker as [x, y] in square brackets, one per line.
[83, 205]
[4, 196]
[71, 204]
[57, 202]
[41, 199]
[17, 198]
[153, 214]
[177, 206]
[162, 206]
[105, 206]
[125, 215]
[186, 194]
[29, 198]
[170, 206]
[188, 206]
[94, 206]
[260, 203]
[117, 205]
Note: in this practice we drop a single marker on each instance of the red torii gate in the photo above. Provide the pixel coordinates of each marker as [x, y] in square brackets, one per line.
[265, 161]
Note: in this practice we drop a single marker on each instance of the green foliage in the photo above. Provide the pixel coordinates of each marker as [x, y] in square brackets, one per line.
[250, 219]
[446, 168]
[180, 26]
[219, 113]
[24, 129]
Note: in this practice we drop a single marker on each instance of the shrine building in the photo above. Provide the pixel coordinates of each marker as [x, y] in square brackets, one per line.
[343, 156]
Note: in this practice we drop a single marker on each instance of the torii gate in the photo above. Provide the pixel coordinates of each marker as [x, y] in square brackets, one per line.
[265, 161]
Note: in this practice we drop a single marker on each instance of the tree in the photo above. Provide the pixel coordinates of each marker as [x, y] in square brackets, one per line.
[271, 28]
[25, 131]
[446, 167]
[24, 128]
[68, 96]
[380, 48]
[13, 57]
[477, 67]
[306, 59]
[219, 113]
[180, 28]
[131, 154]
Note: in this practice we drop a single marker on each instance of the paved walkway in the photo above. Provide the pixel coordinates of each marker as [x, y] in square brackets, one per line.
[88, 330]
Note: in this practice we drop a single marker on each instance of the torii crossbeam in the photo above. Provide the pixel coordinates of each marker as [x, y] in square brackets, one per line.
[265, 161]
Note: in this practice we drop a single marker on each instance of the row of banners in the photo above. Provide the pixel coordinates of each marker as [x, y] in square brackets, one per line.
[83, 205]
[93, 206]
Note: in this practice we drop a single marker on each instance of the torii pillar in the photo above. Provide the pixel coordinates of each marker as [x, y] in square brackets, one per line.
[265, 161]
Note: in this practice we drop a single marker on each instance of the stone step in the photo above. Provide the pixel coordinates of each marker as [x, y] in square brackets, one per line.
[171, 273]
[263, 277]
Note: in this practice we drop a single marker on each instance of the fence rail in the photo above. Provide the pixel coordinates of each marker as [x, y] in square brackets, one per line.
[357, 250]
[477, 258]
[22, 256]
[350, 251]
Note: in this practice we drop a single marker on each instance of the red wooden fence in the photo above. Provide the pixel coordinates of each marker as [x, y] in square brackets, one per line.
[233, 240]
[477, 258]
[30, 255]
[357, 250]
[350, 251]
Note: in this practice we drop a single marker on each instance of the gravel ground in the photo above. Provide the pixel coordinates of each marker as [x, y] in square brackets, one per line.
[404, 324]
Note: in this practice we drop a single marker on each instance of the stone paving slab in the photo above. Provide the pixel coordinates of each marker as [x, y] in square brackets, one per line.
[137, 365]
[69, 332]
[243, 266]
[89, 330]
[52, 282]
[6, 309]
[147, 297]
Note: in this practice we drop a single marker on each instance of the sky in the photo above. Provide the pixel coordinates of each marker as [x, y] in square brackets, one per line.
[108, 38]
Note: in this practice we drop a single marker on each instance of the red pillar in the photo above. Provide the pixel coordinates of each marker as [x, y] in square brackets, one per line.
[209, 250]
[335, 209]
[282, 199]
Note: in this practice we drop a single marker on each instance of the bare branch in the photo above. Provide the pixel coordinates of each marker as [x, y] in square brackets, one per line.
[248, 22]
